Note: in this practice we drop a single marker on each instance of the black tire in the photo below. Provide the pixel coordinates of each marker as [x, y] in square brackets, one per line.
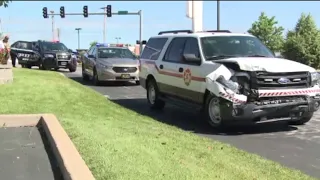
[28, 66]
[42, 67]
[85, 77]
[137, 82]
[56, 69]
[303, 120]
[156, 103]
[23, 66]
[211, 101]
[95, 78]
[72, 69]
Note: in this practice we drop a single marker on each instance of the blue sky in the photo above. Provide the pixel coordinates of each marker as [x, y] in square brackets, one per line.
[24, 21]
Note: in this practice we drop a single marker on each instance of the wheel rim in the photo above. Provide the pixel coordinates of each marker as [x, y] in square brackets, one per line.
[214, 111]
[151, 94]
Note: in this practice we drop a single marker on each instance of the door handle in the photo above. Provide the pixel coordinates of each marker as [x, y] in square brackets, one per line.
[161, 66]
[180, 69]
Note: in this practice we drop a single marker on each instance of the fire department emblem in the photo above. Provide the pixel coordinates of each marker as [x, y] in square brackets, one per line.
[187, 77]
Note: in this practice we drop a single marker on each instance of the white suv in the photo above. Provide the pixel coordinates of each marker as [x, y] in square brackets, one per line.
[232, 77]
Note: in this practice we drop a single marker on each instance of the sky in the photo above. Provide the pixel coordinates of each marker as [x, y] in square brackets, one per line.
[23, 20]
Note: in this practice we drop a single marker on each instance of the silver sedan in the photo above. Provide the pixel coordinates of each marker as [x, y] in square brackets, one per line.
[110, 64]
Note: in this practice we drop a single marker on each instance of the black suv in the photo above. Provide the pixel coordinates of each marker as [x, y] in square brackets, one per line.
[25, 53]
[55, 55]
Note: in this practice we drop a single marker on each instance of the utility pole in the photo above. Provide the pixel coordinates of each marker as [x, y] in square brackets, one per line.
[78, 29]
[52, 19]
[118, 38]
[140, 31]
[104, 23]
[218, 14]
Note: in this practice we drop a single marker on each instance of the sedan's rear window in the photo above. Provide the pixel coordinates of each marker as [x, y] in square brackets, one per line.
[115, 53]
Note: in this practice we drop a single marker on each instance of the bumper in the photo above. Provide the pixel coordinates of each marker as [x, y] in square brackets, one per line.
[236, 113]
[110, 75]
[54, 63]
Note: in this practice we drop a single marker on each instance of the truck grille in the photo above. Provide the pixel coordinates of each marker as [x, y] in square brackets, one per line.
[288, 80]
[66, 57]
[124, 69]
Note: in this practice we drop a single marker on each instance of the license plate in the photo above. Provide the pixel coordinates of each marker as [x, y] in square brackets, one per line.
[63, 63]
[125, 76]
[25, 59]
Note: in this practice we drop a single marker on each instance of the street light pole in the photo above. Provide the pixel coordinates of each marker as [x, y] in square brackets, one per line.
[104, 23]
[78, 29]
[52, 19]
[218, 14]
[140, 31]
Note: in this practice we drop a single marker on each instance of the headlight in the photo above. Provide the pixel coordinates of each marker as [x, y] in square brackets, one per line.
[104, 66]
[315, 78]
[48, 55]
[234, 86]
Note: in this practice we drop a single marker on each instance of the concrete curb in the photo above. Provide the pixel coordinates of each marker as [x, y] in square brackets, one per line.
[71, 164]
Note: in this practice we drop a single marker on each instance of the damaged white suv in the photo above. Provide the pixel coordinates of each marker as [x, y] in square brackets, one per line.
[232, 77]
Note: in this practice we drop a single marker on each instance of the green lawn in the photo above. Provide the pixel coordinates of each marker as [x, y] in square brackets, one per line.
[117, 143]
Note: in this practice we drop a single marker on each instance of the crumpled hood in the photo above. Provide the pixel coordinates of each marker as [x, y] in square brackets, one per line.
[267, 64]
[119, 61]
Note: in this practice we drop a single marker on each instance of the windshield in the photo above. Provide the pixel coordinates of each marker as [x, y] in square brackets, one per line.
[51, 46]
[219, 47]
[115, 53]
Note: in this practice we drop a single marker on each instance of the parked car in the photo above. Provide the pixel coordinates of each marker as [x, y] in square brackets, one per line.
[25, 53]
[55, 55]
[105, 63]
[230, 77]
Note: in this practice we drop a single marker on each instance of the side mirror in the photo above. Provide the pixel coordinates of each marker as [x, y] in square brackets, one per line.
[191, 58]
[91, 56]
[70, 51]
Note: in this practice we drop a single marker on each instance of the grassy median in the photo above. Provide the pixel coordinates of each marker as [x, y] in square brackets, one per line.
[117, 143]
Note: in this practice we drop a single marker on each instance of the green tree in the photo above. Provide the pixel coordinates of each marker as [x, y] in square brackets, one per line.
[268, 32]
[303, 42]
[93, 43]
[4, 3]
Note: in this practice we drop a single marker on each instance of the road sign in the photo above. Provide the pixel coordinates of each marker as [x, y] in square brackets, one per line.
[122, 12]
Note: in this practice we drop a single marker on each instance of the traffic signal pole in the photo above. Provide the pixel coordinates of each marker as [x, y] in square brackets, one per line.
[139, 13]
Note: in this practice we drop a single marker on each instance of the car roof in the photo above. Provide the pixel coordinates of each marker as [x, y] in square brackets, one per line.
[190, 33]
[103, 47]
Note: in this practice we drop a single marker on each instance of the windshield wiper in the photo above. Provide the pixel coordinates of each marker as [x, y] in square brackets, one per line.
[256, 55]
[219, 57]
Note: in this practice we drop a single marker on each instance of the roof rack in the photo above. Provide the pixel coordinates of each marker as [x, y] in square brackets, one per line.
[175, 32]
[217, 31]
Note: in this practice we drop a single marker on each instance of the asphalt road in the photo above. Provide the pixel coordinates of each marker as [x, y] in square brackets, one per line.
[295, 147]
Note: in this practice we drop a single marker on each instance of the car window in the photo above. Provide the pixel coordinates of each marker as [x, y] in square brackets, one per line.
[94, 51]
[24, 45]
[191, 47]
[14, 45]
[233, 46]
[115, 53]
[175, 50]
[153, 48]
[53, 46]
[90, 50]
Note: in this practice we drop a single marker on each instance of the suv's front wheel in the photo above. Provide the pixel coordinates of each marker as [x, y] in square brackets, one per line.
[303, 120]
[212, 112]
[153, 96]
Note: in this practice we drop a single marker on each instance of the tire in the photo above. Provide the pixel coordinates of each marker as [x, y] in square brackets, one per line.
[23, 66]
[303, 120]
[28, 66]
[85, 77]
[56, 69]
[42, 67]
[155, 102]
[137, 82]
[213, 118]
[72, 69]
[95, 78]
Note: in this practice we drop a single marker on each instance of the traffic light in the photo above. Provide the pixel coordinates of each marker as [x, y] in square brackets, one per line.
[85, 11]
[45, 12]
[62, 14]
[109, 11]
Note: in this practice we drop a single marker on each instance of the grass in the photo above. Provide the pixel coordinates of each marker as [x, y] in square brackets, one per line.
[117, 143]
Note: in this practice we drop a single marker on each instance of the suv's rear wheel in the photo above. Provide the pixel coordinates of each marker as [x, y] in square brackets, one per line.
[306, 118]
[212, 112]
[153, 96]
